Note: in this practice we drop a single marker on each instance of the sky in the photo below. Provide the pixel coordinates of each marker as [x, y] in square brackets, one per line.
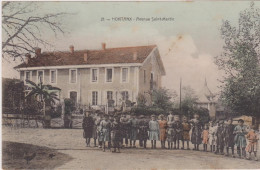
[187, 45]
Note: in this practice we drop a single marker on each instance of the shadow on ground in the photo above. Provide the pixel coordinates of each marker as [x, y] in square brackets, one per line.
[46, 158]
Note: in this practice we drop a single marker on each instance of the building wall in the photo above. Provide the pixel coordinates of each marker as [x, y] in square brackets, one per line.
[84, 86]
[150, 66]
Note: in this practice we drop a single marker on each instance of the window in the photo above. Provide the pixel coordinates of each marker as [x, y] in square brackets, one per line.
[144, 76]
[73, 76]
[109, 95]
[73, 96]
[94, 98]
[53, 76]
[40, 76]
[109, 75]
[27, 76]
[125, 95]
[94, 75]
[151, 82]
[124, 74]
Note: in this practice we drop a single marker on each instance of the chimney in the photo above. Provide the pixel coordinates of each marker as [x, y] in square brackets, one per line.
[71, 49]
[27, 58]
[103, 46]
[37, 51]
[135, 56]
[86, 57]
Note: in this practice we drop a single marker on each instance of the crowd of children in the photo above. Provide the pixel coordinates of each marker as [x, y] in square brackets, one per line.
[115, 132]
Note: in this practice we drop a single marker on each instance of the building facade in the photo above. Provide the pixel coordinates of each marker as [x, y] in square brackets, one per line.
[206, 99]
[93, 77]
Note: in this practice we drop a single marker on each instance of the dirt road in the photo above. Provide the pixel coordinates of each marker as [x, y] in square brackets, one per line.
[70, 141]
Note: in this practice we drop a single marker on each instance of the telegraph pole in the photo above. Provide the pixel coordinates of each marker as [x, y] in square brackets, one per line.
[180, 96]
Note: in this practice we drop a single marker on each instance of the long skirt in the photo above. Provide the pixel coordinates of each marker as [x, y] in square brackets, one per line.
[115, 138]
[133, 134]
[170, 135]
[186, 135]
[87, 133]
[163, 134]
[196, 138]
[240, 141]
[153, 135]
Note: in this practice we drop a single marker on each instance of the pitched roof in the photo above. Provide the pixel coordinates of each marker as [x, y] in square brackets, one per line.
[205, 95]
[107, 56]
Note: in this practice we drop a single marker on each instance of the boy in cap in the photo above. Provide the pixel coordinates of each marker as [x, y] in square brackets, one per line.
[153, 131]
[125, 128]
[240, 140]
[220, 138]
[133, 130]
[229, 137]
[186, 132]
[143, 131]
[178, 131]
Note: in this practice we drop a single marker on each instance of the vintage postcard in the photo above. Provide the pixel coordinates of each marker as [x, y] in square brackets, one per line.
[130, 85]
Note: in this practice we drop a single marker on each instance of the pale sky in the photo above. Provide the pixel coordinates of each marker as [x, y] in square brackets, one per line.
[193, 36]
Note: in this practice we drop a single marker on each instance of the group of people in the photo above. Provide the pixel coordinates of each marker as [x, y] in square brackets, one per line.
[116, 132]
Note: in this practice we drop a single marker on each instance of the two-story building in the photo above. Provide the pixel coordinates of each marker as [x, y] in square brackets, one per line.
[92, 77]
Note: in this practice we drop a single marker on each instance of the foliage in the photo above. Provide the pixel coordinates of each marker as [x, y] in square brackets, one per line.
[23, 26]
[46, 93]
[162, 98]
[69, 106]
[141, 100]
[147, 110]
[240, 60]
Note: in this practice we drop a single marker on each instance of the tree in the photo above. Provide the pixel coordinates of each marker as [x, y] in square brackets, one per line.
[47, 95]
[163, 98]
[240, 60]
[23, 25]
[189, 98]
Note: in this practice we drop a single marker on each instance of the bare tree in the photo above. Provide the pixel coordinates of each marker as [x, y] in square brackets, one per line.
[23, 28]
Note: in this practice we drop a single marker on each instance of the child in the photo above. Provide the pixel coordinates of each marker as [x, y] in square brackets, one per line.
[105, 131]
[229, 137]
[143, 127]
[170, 116]
[212, 136]
[196, 132]
[205, 138]
[240, 140]
[170, 133]
[178, 131]
[252, 145]
[163, 127]
[133, 127]
[220, 138]
[116, 134]
[96, 118]
[87, 125]
[153, 131]
[125, 123]
[186, 132]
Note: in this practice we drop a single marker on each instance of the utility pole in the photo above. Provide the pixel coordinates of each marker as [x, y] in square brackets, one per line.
[180, 96]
